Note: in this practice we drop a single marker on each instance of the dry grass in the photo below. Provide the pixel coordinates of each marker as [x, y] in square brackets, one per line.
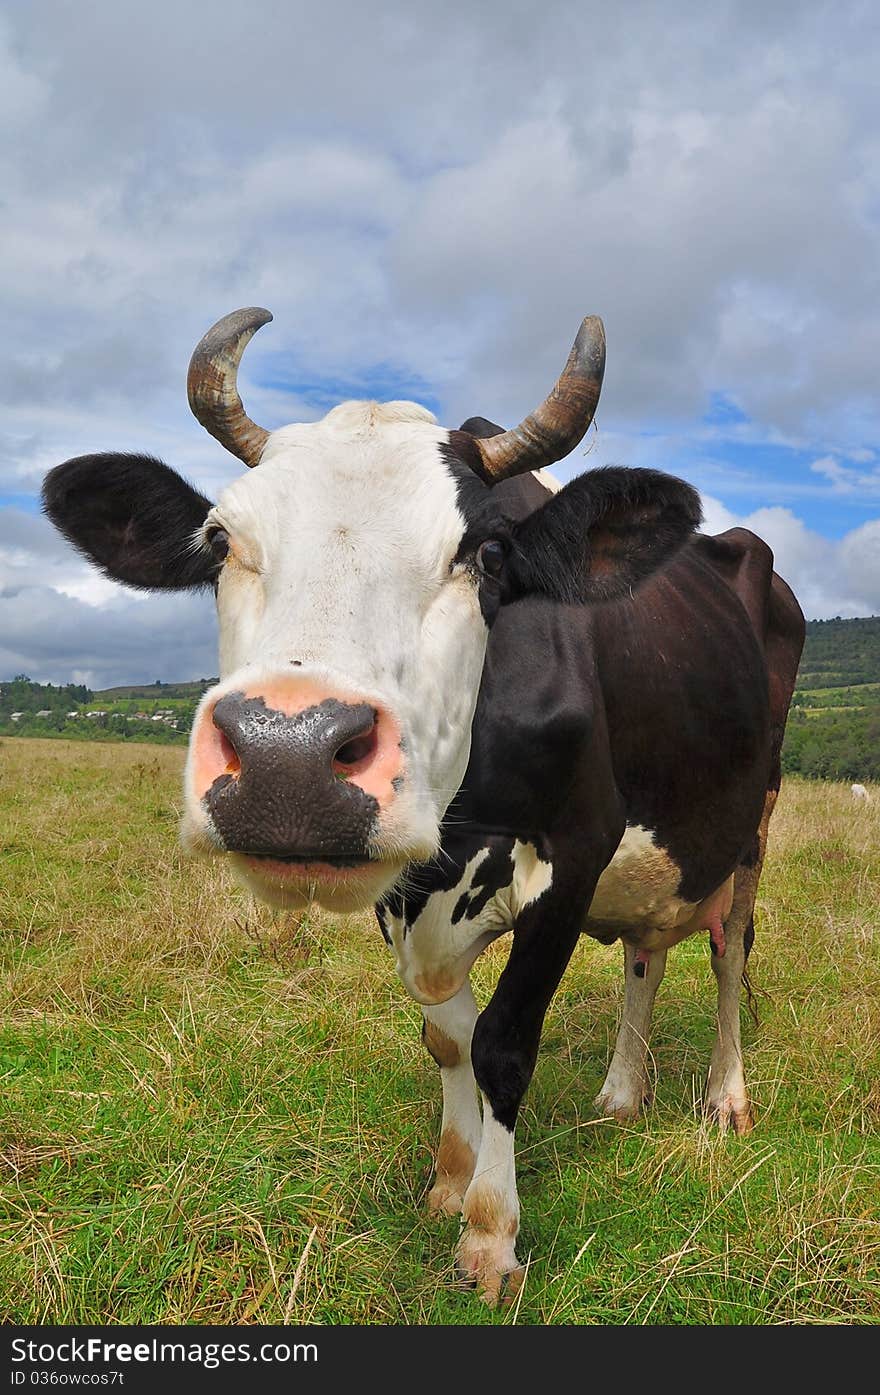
[212, 1115]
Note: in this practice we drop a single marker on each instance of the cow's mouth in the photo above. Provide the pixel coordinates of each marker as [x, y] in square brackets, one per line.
[338, 883]
[289, 869]
[311, 859]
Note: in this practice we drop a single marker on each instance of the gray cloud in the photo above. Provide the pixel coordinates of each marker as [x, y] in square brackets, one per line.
[60, 617]
[436, 193]
[58, 639]
[451, 191]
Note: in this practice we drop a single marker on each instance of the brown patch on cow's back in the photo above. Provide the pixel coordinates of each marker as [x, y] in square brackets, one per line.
[444, 1050]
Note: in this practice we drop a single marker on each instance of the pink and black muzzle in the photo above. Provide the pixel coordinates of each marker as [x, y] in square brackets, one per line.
[290, 772]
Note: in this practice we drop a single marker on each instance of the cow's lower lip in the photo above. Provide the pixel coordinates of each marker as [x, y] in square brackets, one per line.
[293, 885]
[294, 866]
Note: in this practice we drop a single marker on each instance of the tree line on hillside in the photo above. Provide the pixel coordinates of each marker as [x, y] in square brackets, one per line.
[833, 730]
[78, 712]
[841, 652]
[833, 735]
[837, 745]
[20, 694]
[823, 698]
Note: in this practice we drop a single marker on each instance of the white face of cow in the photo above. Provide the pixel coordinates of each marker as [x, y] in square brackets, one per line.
[357, 570]
[340, 593]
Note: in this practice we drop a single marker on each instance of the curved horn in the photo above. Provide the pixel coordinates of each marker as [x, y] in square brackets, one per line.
[554, 428]
[211, 384]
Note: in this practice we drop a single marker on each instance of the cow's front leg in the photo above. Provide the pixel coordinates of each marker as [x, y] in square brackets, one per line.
[486, 1252]
[626, 1084]
[447, 1032]
[504, 1051]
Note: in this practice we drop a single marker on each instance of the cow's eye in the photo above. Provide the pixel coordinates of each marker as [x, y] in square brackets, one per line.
[218, 541]
[490, 557]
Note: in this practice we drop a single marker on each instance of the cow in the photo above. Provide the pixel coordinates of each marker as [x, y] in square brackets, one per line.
[480, 703]
[859, 792]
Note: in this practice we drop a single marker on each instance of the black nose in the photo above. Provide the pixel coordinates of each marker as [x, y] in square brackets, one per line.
[292, 795]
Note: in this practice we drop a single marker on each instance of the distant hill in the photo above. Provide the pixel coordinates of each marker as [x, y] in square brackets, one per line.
[190, 692]
[841, 653]
[155, 712]
[833, 730]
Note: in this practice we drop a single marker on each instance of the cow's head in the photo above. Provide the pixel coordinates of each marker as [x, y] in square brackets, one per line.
[357, 571]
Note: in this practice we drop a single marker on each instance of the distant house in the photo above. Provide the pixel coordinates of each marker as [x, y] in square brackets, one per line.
[98, 712]
[72, 714]
[16, 716]
[45, 712]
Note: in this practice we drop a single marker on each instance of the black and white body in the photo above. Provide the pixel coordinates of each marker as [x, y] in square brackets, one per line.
[480, 703]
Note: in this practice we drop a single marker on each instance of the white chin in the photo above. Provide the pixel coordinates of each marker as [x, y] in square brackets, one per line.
[294, 887]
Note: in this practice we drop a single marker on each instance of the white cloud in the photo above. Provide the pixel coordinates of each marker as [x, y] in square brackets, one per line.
[829, 577]
[860, 560]
[846, 479]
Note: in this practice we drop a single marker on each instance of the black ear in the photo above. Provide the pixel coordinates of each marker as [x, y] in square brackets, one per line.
[601, 535]
[134, 517]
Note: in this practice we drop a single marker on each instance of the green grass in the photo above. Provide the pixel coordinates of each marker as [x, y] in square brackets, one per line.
[869, 692]
[210, 1115]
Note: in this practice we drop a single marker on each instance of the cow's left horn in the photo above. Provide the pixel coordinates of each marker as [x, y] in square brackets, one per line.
[211, 384]
[562, 419]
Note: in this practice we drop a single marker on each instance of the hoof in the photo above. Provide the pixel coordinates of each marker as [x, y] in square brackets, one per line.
[489, 1265]
[495, 1288]
[623, 1108]
[728, 1114]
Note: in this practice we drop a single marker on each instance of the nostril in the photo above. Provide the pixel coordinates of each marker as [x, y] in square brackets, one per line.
[356, 751]
[229, 756]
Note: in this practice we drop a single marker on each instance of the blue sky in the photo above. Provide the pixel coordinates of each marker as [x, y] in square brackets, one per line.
[429, 199]
[725, 454]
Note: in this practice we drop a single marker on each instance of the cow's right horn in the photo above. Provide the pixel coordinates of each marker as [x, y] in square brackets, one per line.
[211, 384]
[562, 419]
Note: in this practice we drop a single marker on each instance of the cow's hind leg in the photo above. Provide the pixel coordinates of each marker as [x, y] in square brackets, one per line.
[447, 1032]
[626, 1085]
[727, 1099]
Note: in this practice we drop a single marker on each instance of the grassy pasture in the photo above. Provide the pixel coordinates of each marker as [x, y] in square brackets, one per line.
[210, 1115]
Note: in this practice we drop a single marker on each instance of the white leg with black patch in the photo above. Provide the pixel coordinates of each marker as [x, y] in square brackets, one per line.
[726, 1095]
[447, 1035]
[487, 1248]
[626, 1085]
